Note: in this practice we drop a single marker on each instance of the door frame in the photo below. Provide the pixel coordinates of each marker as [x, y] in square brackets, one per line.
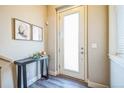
[58, 11]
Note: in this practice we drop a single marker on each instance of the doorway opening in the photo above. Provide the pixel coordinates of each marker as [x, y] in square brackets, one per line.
[72, 42]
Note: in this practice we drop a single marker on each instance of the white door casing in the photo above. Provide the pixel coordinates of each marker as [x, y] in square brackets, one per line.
[81, 73]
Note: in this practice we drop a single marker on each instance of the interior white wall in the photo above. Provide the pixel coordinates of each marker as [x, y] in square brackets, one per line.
[117, 78]
[116, 23]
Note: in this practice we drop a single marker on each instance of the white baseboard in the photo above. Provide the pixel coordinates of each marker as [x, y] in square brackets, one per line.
[53, 73]
[96, 85]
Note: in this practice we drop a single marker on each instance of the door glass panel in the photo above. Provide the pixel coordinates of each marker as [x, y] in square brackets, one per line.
[71, 42]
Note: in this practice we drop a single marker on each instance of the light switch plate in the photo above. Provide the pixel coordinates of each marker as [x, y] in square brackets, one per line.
[94, 45]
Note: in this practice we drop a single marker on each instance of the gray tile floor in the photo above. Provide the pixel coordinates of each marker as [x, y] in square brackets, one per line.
[60, 81]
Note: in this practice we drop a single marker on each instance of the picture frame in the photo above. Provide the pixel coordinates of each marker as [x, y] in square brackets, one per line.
[37, 33]
[22, 30]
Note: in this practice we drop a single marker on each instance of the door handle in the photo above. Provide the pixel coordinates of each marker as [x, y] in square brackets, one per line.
[82, 48]
[82, 52]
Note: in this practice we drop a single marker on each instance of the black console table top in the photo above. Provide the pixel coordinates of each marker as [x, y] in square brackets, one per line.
[29, 60]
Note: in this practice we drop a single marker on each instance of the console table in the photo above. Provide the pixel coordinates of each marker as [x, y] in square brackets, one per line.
[0, 77]
[22, 65]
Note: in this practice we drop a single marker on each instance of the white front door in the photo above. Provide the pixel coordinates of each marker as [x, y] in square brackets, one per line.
[71, 42]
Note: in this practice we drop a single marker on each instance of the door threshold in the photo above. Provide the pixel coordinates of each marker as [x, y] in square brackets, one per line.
[71, 78]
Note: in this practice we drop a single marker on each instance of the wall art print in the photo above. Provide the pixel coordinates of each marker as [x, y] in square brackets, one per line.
[22, 30]
[37, 33]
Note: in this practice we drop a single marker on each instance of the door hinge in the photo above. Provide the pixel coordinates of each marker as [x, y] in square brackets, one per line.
[59, 17]
[59, 66]
[59, 50]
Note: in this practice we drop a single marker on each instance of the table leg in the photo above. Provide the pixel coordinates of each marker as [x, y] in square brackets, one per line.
[47, 75]
[24, 77]
[19, 76]
[41, 67]
[0, 77]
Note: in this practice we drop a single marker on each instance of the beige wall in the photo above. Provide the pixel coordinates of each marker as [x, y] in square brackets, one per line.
[33, 14]
[98, 65]
[51, 37]
[17, 49]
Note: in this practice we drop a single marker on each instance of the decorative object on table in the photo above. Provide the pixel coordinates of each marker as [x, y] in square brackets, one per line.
[43, 53]
[36, 55]
[22, 30]
[37, 33]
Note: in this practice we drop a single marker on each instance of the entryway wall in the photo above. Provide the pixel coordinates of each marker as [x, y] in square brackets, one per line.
[18, 49]
[98, 65]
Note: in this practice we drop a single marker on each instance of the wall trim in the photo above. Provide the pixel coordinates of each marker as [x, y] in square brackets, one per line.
[54, 73]
[96, 85]
[63, 8]
[85, 41]
[6, 58]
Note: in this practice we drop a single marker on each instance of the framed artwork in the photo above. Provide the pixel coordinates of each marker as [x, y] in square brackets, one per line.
[37, 33]
[22, 30]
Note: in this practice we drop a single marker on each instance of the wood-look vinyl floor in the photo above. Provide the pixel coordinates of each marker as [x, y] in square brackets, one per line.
[60, 81]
